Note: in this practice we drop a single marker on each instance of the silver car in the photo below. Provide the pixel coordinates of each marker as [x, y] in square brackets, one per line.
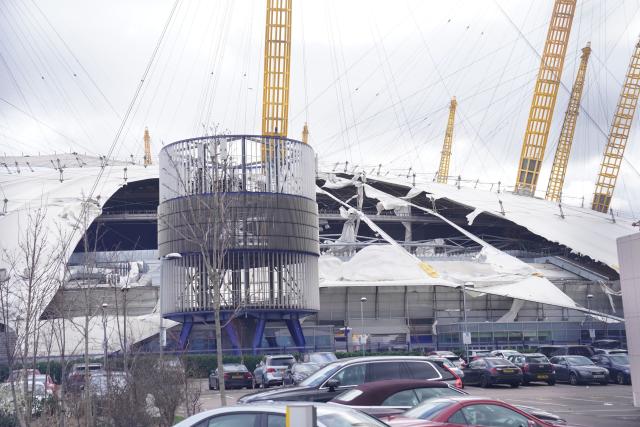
[271, 370]
[273, 415]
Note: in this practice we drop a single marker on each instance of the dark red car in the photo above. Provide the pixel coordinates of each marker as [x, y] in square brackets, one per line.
[393, 397]
[464, 411]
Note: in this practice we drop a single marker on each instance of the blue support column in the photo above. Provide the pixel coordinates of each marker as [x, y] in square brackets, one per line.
[184, 333]
[257, 336]
[295, 329]
[233, 337]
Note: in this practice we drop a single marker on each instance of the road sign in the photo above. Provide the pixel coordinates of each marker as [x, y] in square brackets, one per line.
[466, 338]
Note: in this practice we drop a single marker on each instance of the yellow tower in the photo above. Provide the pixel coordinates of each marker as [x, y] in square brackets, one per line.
[618, 135]
[561, 158]
[147, 148]
[544, 97]
[305, 134]
[277, 64]
[445, 157]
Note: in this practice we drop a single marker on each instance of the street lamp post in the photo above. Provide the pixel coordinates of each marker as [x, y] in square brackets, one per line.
[362, 337]
[161, 336]
[589, 325]
[104, 335]
[125, 290]
[463, 288]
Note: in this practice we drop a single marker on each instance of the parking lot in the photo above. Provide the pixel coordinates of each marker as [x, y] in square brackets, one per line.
[588, 406]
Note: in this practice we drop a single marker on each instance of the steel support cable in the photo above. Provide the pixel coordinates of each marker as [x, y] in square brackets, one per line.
[220, 50]
[39, 64]
[63, 61]
[134, 99]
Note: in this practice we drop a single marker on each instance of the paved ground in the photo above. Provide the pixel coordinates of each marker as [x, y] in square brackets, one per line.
[588, 406]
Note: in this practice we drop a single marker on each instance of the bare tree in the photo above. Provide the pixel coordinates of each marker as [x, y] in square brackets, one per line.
[31, 281]
[205, 225]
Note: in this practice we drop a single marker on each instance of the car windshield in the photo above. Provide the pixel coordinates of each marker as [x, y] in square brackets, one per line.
[497, 361]
[281, 361]
[537, 359]
[621, 359]
[578, 361]
[306, 367]
[320, 376]
[235, 367]
[427, 410]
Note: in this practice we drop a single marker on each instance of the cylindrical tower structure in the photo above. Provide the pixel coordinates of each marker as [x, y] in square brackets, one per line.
[241, 212]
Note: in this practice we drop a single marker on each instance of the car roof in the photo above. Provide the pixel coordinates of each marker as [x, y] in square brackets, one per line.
[533, 355]
[275, 407]
[377, 391]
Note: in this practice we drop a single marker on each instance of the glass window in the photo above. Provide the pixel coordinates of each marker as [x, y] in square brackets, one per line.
[537, 359]
[431, 392]
[493, 416]
[275, 420]
[351, 375]
[232, 420]
[578, 361]
[281, 361]
[379, 371]
[427, 410]
[422, 370]
[457, 418]
[348, 396]
[402, 398]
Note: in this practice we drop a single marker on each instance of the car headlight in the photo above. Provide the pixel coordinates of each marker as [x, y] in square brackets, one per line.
[627, 371]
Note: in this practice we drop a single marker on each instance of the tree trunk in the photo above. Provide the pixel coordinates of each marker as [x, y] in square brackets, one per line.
[219, 354]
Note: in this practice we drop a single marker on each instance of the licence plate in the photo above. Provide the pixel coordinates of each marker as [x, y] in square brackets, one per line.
[598, 375]
[508, 371]
[237, 377]
[543, 376]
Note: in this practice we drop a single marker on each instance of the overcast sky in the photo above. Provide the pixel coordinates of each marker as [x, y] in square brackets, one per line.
[372, 78]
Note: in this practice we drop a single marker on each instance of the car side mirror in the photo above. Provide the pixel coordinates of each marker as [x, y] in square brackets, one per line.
[333, 383]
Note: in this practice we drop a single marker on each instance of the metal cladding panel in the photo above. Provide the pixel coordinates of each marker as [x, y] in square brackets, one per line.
[253, 221]
[241, 212]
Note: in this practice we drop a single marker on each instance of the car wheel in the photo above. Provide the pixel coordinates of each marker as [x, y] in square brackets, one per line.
[210, 387]
[551, 382]
[515, 385]
[620, 379]
[573, 379]
[525, 382]
[484, 382]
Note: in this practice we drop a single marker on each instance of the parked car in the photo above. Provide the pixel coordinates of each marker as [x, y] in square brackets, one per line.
[504, 353]
[273, 415]
[393, 397]
[579, 370]
[270, 371]
[454, 358]
[446, 364]
[49, 385]
[477, 354]
[488, 371]
[299, 371]
[19, 374]
[320, 358]
[76, 377]
[566, 350]
[344, 374]
[617, 365]
[466, 411]
[235, 375]
[610, 351]
[535, 367]
[101, 383]
[606, 343]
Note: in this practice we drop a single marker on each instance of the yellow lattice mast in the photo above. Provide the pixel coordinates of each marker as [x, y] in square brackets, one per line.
[561, 158]
[544, 97]
[618, 135]
[445, 157]
[147, 148]
[277, 64]
[305, 134]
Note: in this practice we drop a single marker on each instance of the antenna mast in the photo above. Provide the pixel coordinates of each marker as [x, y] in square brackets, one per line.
[561, 158]
[544, 97]
[618, 135]
[147, 148]
[445, 157]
